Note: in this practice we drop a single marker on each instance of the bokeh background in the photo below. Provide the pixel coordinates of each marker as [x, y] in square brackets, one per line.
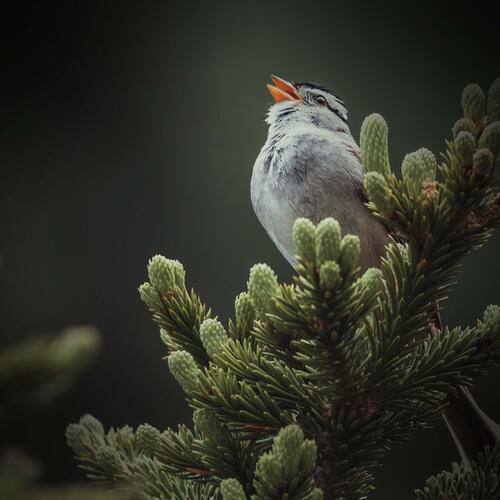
[130, 128]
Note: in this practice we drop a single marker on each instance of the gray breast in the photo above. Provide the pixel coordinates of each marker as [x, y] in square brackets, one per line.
[315, 175]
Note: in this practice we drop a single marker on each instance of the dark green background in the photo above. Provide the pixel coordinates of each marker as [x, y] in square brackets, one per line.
[130, 128]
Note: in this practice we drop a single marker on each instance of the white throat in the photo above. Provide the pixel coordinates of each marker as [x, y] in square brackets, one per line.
[285, 116]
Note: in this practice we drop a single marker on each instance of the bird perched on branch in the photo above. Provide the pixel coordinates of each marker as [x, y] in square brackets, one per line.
[310, 166]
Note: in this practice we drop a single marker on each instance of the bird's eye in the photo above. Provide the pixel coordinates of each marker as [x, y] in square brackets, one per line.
[320, 100]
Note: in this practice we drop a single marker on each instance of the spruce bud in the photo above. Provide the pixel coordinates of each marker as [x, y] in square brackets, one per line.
[149, 296]
[329, 275]
[494, 101]
[184, 369]
[165, 274]
[231, 489]
[418, 167]
[374, 145]
[245, 313]
[491, 316]
[483, 162]
[76, 437]
[108, 459]
[466, 145]
[490, 138]
[303, 239]
[213, 336]
[350, 250]
[148, 438]
[262, 287]
[473, 102]
[91, 425]
[165, 337]
[378, 191]
[327, 239]
[209, 426]
[463, 125]
[371, 282]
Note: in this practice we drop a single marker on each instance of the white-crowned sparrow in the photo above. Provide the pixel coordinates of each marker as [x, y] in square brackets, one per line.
[310, 166]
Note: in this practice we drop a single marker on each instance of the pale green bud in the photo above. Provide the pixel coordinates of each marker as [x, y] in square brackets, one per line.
[350, 250]
[268, 470]
[329, 275]
[125, 435]
[308, 458]
[417, 168]
[213, 336]
[148, 294]
[473, 102]
[466, 145]
[165, 274]
[492, 315]
[287, 446]
[108, 459]
[327, 240]
[371, 281]
[209, 426]
[290, 458]
[165, 337]
[428, 163]
[483, 161]
[148, 438]
[494, 101]
[262, 287]
[231, 489]
[374, 145]
[490, 138]
[76, 438]
[184, 369]
[92, 425]
[463, 125]
[303, 239]
[245, 312]
[378, 191]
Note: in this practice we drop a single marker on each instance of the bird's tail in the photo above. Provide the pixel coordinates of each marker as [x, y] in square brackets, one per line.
[471, 429]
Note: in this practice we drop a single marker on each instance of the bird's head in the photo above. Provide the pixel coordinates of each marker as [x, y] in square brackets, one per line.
[306, 103]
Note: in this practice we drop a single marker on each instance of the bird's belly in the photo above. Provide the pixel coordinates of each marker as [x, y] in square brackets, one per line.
[325, 188]
[278, 211]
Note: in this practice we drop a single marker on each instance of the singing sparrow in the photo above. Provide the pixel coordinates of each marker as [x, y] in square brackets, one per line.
[310, 166]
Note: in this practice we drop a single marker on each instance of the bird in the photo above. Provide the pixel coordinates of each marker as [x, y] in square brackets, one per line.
[310, 166]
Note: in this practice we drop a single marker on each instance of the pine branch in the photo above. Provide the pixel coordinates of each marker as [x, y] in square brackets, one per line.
[479, 482]
[287, 470]
[176, 311]
[133, 460]
[440, 224]
[356, 361]
[36, 370]
[446, 360]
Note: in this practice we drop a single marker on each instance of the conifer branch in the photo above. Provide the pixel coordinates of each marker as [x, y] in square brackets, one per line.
[480, 481]
[305, 391]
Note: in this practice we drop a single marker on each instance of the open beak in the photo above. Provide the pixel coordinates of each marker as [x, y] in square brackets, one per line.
[283, 90]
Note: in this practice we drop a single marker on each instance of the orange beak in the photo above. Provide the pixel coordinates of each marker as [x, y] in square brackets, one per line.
[283, 90]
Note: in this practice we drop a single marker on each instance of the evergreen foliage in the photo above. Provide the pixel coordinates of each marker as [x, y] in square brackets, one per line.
[481, 481]
[305, 393]
[35, 371]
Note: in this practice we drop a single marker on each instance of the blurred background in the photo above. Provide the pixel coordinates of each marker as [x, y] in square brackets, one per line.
[130, 128]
